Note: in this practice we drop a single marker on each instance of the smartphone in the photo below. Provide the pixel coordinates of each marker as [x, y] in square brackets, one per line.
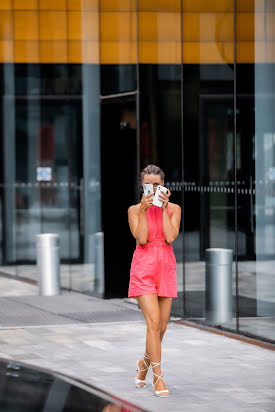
[156, 200]
[147, 189]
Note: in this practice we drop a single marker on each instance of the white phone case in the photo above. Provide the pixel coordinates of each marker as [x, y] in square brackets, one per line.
[156, 200]
[147, 189]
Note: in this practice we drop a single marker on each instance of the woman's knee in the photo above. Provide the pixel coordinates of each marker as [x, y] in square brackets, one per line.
[153, 324]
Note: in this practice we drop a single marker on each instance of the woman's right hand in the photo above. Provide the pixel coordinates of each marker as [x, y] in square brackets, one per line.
[146, 201]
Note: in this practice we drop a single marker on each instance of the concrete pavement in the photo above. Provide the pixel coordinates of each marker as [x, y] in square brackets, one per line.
[202, 370]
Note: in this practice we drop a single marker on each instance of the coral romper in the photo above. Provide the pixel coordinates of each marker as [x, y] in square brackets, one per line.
[153, 268]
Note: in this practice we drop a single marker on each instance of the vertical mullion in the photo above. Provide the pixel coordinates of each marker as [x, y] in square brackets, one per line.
[137, 103]
[182, 163]
[235, 177]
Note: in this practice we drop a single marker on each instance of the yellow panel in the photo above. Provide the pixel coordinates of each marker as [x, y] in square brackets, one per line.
[162, 53]
[228, 53]
[26, 51]
[203, 53]
[53, 5]
[245, 52]
[148, 26]
[53, 25]
[208, 27]
[118, 26]
[118, 52]
[90, 26]
[245, 26]
[270, 52]
[211, 53]
[53, 52]
[75, 5]
[191, 27]
[5, 5]
[159, 5]
[83, 26]
[191, 53]
[75, 51]
[90, 52]
[25, 4]
[5, 25]
[250, 5]
[118, 5]
[159, 26]
[207, 6]
[83, 52]
[26, 25]
[6, 51]
[74, 25]
[250, 52]
[224, 27]
[270, 26]
[250, 26]
[92, 5]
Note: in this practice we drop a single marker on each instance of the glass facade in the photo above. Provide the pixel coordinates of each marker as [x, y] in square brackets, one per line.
[93, 91]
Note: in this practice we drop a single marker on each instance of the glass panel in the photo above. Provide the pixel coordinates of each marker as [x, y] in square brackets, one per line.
[45, 134]
[209, 198]
[256, 182]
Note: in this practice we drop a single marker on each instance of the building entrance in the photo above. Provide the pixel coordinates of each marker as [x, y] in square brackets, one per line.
[119, 189]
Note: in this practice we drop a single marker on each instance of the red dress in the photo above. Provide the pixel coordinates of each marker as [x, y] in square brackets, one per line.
[153, 268]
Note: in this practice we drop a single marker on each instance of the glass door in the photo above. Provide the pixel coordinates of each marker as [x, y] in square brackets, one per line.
[209, 199]
[119, 189]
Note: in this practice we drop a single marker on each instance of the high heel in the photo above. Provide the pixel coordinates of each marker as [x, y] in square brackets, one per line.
[158, 393]
[141, 370]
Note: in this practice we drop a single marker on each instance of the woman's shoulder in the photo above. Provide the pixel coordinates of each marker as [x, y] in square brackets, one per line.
[174, 207]
[134, 208]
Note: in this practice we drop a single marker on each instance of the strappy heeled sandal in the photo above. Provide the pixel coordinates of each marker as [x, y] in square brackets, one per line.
[159, 393]
[141, 370]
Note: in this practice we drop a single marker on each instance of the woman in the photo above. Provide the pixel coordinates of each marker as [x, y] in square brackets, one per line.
[153, 280]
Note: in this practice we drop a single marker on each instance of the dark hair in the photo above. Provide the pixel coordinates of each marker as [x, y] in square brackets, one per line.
[152, 170]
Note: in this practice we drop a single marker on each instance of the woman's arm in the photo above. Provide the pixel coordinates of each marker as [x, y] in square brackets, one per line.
[138, 220]
[138, 224]
[171, 225]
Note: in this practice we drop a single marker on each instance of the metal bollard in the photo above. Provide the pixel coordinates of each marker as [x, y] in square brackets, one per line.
[99, 262]
[218, 282]
[48, 261]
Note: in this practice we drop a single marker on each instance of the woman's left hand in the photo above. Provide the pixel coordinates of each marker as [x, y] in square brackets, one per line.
[164, 197]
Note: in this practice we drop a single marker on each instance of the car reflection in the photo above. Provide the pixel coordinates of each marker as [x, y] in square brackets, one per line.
[25, 388]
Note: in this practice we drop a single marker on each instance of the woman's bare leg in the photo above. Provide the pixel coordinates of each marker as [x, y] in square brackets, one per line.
[150, 298]
[165, 304]
[150, 307]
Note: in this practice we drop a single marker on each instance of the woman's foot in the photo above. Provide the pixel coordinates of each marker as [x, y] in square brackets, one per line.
[160, 386]
[158, 382]
[143, 366]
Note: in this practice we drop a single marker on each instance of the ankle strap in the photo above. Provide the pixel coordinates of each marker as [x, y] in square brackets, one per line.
[155, 364]
[146, 356]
